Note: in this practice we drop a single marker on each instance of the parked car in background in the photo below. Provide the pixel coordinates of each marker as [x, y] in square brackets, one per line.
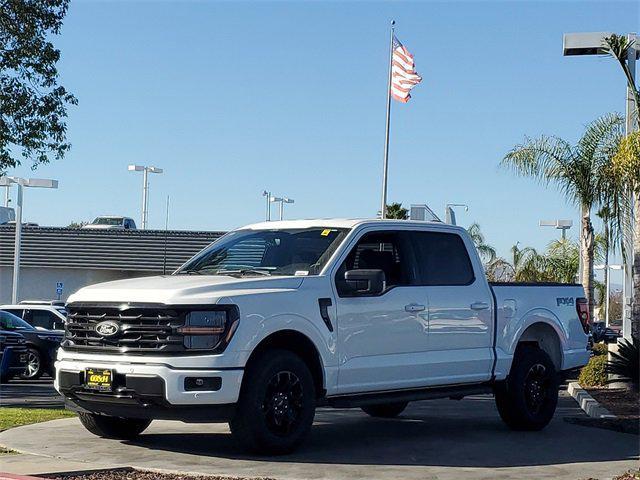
[601, 333]
[111, 222]
[7, 214]
[13, 355]
[42, 345]
[47, 317]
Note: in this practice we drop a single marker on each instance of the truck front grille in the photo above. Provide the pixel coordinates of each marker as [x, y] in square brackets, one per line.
[140, 329]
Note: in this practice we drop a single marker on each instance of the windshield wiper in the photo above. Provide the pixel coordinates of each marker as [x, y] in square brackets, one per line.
[189, 272]
[244, 271]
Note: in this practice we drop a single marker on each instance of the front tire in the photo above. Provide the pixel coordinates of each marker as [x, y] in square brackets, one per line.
[386, 410]
[527, 399]
[113, 427]
[276, 405]
[35, 367]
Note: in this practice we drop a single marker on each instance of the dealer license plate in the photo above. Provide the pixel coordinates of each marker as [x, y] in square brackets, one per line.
[98, 379]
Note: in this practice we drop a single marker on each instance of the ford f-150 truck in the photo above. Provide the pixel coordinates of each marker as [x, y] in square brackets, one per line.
[275, 319]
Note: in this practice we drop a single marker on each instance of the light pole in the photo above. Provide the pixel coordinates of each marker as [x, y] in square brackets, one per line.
[20, 184]
[562, 225]
[145, 188]
[281, 201]
[592, 43]
[450, 214]
[608, 288]
[267, 195]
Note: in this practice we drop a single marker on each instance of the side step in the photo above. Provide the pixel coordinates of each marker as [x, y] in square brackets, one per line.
[456, 392]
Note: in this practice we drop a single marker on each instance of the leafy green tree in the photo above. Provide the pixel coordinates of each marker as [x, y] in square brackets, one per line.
[396, 211]
[79, 224]
[33, 107]
[579, 171]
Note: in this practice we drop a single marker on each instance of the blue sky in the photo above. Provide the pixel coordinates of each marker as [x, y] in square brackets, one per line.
[231, 98]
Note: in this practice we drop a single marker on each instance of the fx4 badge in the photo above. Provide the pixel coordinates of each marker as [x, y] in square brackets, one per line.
[565, 301]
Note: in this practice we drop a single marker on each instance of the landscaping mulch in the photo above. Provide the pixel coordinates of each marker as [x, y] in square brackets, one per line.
[130, 474]
[619, 401]
[623, 403]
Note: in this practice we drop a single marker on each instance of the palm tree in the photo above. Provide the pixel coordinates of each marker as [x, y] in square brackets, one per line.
[487, 252]
[626, 165]
[396, 211]
[577, 170]
[618, 47]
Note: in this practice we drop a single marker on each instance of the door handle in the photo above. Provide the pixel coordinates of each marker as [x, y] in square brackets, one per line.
[414, 307]
[479, 306]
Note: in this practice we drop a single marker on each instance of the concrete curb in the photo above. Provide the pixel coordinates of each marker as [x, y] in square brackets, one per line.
[587, 403]
[11, 476]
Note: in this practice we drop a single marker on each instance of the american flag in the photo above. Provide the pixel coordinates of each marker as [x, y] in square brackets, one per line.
[403, 72]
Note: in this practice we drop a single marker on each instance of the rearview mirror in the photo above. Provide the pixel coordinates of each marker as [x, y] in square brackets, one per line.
[365, 282]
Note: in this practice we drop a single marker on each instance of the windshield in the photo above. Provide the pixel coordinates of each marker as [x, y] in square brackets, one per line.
[107, 221]
[302, 251]
[8, 321]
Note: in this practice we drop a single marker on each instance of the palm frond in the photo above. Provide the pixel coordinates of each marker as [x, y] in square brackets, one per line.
[545, 159]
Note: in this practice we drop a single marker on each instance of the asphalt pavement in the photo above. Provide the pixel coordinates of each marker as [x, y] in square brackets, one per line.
[33, 394]
[438, 439]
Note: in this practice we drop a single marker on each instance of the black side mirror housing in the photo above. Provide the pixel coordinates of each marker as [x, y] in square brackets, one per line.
[365, 282]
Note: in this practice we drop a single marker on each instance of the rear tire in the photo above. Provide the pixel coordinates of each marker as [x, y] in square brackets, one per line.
[527, 399]
[385, 410]
[113, 427]
[276, 405]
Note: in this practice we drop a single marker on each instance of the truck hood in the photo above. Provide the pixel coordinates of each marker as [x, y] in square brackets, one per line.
[181, 289]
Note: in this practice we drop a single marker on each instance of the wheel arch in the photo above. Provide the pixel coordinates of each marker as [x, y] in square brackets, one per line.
[300, 344]
[545, 337]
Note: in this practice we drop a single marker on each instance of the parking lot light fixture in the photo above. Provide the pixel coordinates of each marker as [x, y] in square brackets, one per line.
[20, 183]
[145, 188]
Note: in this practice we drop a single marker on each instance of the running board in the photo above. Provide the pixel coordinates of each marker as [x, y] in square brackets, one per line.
[456, 392]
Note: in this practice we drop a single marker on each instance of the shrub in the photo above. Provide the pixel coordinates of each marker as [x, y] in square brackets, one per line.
[625, 363]
[594, 373]
[600, 349]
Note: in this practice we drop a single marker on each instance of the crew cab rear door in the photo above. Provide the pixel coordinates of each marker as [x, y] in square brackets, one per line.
[460, 320]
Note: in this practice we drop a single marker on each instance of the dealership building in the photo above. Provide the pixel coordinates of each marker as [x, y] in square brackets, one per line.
[66, 259]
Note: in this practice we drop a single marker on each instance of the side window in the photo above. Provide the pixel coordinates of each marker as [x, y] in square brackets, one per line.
[442, 259]
[386, 251]
[16, 312]
[43, 319]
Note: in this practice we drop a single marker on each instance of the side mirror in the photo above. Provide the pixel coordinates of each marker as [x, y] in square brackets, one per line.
[365, 282]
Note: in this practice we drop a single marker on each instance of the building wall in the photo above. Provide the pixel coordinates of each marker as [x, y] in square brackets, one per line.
[40, 283]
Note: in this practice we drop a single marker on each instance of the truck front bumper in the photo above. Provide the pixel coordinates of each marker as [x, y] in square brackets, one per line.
[152, 390]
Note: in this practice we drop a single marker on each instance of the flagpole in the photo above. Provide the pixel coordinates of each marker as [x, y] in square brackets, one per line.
[383, 208]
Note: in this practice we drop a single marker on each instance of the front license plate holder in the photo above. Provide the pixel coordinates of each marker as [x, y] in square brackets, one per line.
[98, 379]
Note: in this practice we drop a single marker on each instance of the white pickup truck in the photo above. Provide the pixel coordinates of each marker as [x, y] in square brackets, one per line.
[275, 319]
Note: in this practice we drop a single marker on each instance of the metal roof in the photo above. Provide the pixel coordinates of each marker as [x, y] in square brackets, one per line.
[131, 250]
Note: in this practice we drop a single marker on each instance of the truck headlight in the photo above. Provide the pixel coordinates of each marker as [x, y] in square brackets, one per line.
[208, 329]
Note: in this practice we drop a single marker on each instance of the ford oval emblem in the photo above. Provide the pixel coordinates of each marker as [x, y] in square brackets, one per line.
[108, 328]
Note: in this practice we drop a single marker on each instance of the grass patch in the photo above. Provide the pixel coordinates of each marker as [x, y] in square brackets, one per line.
[14, 417]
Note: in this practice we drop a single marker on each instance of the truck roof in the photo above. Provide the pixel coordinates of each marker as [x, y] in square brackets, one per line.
[336, 223]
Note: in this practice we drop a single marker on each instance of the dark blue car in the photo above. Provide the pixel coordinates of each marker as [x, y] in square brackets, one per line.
[42, 345]
[13, 355]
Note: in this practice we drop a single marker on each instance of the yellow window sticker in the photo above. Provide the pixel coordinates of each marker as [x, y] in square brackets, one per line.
[326, 232]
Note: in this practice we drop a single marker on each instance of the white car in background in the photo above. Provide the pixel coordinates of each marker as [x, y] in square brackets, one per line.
[111, 222]
[45, 315]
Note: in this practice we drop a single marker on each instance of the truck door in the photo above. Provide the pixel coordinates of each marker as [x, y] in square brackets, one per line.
[460, 319]
[381, 338]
